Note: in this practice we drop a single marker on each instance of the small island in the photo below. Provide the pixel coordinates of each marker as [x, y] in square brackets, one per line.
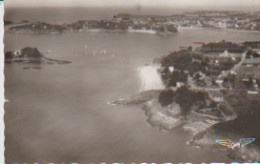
[32, 57]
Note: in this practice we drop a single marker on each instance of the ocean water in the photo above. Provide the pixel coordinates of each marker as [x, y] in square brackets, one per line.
[59, 113]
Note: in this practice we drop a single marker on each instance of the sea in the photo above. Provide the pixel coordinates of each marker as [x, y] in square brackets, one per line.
[59, 113]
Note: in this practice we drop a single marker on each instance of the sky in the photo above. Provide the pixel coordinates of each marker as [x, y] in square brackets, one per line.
[131, 3]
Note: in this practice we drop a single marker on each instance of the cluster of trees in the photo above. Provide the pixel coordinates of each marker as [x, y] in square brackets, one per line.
[171, 78]
[222, 66]
[230, 80]
[25, 52]
[30, 52]
[166, 97]
[179, 59]
[187, 62]
[185, 97]
[39, 28]
[94, 24]
[252, 54]
[158, 28]
[247, 123]
[7, 22]
[222, 46]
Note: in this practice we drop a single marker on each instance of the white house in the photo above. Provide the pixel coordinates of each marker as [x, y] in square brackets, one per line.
[216, 96]
[250, 92]
[179, 84]
[225, 54]
[219, 81]
[171, 69]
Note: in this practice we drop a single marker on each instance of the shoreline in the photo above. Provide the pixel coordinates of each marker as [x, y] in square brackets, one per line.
[217, 29]
[154, 32]
[142, 31]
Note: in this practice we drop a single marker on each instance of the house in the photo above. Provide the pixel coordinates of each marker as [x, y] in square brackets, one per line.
[179, 84]
[233, 73]
[219, 81]
[255, 84]
[171, 69]
[249, 65]
[252, 92]
[200, 75]
[17, 53]
[246, 79]
[225, 54]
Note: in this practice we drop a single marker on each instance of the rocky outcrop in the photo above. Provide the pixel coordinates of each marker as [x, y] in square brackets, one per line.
[166, 118]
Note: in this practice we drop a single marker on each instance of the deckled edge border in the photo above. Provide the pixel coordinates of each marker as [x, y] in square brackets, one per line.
[2, 78]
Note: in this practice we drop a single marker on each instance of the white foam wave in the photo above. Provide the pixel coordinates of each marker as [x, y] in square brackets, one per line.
[150, 78]
[142, 31]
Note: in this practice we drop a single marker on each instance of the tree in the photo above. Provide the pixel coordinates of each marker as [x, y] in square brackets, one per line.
[9, 55]
[30, 52]
[166, 97]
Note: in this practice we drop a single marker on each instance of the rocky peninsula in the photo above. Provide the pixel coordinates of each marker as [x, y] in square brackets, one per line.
[206, 95]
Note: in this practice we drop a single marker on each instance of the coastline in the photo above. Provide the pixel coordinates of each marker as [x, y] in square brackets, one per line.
[142, 31]
[216, 29]
[95, 31]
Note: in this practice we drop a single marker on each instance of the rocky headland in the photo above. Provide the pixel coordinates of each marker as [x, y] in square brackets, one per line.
[206, 96]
